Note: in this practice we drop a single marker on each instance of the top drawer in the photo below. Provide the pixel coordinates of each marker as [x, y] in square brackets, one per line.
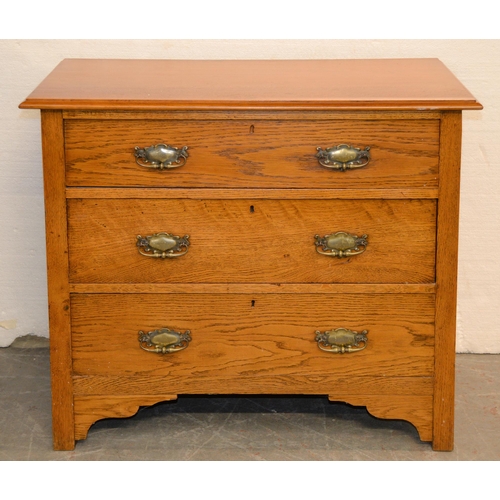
[253, 153]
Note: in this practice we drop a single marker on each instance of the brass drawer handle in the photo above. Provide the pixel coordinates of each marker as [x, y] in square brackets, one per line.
[161, 156]
[341, 340]
[341, 244]
[164, 341]
[343, 157]
[163, 245]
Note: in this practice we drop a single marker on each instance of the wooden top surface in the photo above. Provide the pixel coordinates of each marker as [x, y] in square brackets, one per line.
[419, 84]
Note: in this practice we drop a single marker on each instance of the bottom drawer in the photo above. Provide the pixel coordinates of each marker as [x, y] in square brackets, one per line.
[247, 343]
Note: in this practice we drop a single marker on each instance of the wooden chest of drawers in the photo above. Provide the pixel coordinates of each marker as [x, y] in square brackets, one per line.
[252, 227]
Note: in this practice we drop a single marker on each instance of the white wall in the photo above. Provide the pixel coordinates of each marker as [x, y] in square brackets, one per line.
[22, 246]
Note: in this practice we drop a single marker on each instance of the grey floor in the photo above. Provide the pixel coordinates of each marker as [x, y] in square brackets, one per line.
[241, 428]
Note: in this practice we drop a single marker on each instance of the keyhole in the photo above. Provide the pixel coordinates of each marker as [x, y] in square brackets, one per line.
[252, 128]
[253, 303]
[252, 209]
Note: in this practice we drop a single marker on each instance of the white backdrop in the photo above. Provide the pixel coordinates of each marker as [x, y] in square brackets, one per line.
[24, 63]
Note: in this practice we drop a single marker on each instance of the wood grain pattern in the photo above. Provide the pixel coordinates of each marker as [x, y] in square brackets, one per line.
[57, 277]
[249, 114]
[231, 244]
[258, 336]
[337, 386]
[252, 193]
[253, 153]
[336, 83]
[89, 410]
[335, 288]
[446, 277]
[415, 409]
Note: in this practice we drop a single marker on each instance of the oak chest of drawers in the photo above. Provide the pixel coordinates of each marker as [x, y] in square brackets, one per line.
[252, 227]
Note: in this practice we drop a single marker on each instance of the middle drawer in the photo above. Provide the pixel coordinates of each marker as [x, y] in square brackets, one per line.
[251, 241]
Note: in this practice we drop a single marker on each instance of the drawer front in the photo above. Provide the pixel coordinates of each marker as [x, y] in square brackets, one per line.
[251, 241]
[249, 336]
[258, 153]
